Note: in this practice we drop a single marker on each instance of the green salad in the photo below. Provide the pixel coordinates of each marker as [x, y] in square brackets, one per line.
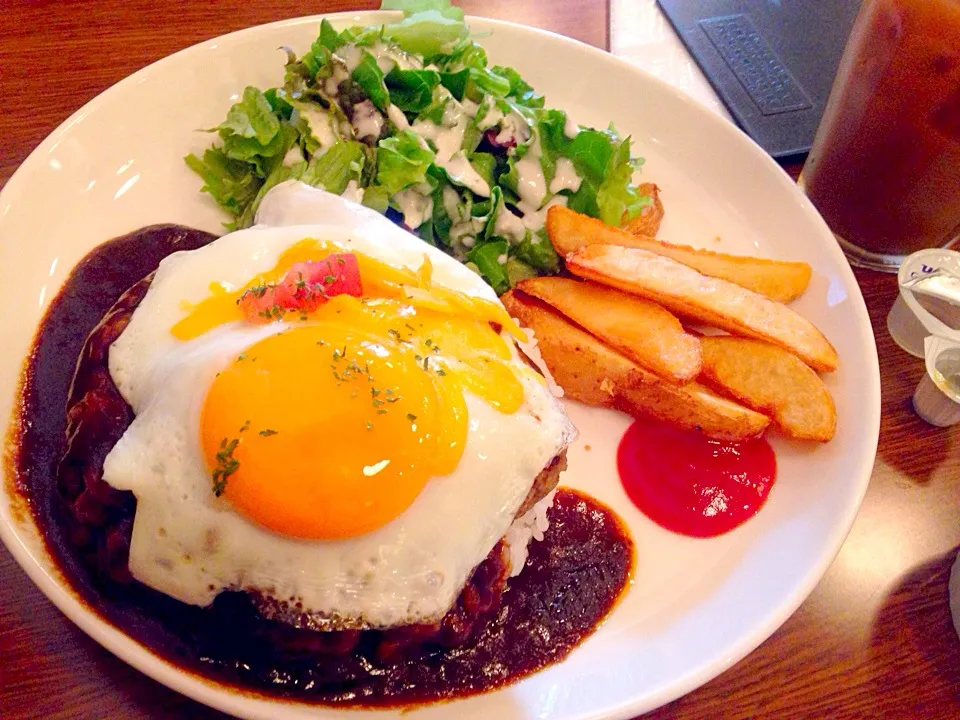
[411, 120]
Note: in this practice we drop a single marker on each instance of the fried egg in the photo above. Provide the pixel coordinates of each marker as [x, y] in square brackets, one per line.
[355, 460]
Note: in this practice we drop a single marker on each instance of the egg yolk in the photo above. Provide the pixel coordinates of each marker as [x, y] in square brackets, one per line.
[327, 431]
[332, 427]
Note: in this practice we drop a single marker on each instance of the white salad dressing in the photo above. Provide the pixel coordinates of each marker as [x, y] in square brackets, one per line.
[448, 139]
[534, 220]
[404, 61]
[466, 231]
[489, 114]
[320, 124]
[386, 56]
[531, 184]
[351, 56]
[451, 204]
[469, 106]
[570, 128]
[293, 156]
[367, 120]
[415, 206]
[385, 62]
[452, 113]
[565, 177]
[398, 118]
[340, 73]
[509, 226]
[353, 192]
[513, 127]
[461, 172]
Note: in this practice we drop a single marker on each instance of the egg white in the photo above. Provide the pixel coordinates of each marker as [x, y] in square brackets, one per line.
[191, 545]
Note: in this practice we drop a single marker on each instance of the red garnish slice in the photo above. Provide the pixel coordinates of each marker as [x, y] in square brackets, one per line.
[305, 287]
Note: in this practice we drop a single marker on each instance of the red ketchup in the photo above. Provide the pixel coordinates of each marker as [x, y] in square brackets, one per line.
[690, 484]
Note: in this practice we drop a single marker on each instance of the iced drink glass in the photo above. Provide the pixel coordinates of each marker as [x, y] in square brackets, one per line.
[884, 170]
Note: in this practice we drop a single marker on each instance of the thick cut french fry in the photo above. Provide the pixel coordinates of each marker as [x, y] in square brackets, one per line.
[591, 373]
[770, 380]
[692, 407]
[776, 279]
[643, 331]
[586, 369]
[715, 302]
[648, 221]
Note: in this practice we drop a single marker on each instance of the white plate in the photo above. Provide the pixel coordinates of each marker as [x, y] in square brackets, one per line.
[696, 606]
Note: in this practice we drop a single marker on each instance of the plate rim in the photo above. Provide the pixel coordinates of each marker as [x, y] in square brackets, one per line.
[238, 701]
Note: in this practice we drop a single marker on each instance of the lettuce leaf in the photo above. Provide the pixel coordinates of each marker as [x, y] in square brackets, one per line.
[536, 251]
[519, 91]
[429, 27]
[617, 197]
[280, 174]
[376, 198]
[255, 140]
[333, 170]
[410, 7]
[441, 222]
[435, 110]
[456, 82]
[553, 141]
[464, 55]
[518, 270]
[252, 132]
[251, 118]
[485, 164]
[486, 256]
[482, 81]
[362, 36]
[402, 161]
[232, 183]
[318, 58]
[278, 103]
[411, 90]
[602, 160]
[329, 37]
[369, 76]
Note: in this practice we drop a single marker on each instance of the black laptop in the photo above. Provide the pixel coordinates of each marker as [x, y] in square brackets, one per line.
[771, 61]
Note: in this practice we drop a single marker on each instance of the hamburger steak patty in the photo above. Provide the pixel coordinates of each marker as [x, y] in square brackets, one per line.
[99, 522]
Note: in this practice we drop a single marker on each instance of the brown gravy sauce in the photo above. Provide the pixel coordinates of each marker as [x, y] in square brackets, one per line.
[572, 579]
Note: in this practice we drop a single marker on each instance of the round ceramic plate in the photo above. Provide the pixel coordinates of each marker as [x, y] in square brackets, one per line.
[696, 606]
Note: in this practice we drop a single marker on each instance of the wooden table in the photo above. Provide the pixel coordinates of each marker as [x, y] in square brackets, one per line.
[873, 640]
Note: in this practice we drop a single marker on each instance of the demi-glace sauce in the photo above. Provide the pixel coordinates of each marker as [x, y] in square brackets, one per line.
[690, 484]
[572, 579]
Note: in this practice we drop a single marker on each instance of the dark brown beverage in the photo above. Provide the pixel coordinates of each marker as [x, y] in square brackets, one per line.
[885, 166]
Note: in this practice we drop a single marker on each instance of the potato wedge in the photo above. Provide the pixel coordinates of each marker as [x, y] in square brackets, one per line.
[648, 221]
[692, 407]
[776, 279]
[716, 302]
[770, 380]
[584, 367]
[643, 331]
[591, 373]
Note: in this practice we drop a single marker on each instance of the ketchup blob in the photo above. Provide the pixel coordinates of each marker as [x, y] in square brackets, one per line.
[690, 484]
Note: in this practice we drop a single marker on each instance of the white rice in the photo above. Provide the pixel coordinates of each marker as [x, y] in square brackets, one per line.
[530, 526]
[532, 352]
